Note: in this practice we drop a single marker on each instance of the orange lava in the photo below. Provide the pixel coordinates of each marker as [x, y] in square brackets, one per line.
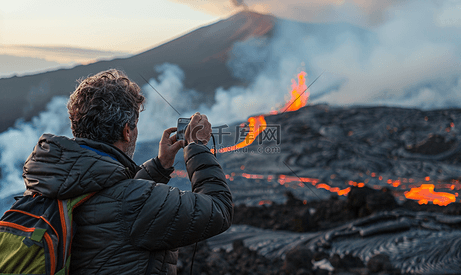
[256, 126]
[252, 176]
[299, 98]
[267, 202]
[340, 192]
[299, 94]
[425, 193]
[286, 179]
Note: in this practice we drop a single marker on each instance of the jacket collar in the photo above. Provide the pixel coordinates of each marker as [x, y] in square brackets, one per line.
[60, 168]
[112, 151]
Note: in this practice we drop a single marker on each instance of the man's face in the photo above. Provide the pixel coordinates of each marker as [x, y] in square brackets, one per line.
[132, 144]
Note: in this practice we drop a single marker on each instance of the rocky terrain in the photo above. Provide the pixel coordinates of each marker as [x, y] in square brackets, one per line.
[297, 216]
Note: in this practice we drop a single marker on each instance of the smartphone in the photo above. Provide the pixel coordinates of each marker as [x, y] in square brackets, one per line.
[182, 125]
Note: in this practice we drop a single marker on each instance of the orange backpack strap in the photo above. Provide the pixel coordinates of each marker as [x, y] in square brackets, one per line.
[66, 208]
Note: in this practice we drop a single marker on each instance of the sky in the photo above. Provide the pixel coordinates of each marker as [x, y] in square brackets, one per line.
[133, 26]
[52, 29]
[121, 26]
[51, 32]
[415, 44]
[65, 32]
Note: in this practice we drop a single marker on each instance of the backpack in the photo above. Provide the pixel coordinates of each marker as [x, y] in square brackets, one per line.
[36, 235]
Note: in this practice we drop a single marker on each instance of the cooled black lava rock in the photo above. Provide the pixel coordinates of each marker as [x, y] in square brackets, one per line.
[379, 263]
[241, 260]
[364, 201]
[346, 262]
[295, 215]
[432, 145]
[336, 146]
[370, 145]
[324, 216]
[382, 200]
[299, 258]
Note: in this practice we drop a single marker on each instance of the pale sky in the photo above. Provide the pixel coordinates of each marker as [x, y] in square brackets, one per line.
[116, 25]
[54, 32]
[138, 25]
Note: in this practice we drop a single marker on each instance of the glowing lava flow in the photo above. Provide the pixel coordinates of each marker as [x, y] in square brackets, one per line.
[340, 192]
[256, 126]
[299, 94]
[426, 193]
[423, 194]
[299, 98]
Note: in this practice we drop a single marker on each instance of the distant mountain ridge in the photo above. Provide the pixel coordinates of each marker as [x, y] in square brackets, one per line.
[201, 54]
[22, 65]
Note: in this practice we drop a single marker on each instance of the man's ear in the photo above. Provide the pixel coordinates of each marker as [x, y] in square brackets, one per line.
[126, 133]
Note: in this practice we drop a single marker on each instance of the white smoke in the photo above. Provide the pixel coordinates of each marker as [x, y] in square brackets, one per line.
[410, 60]
[413, 62]
[357, 12]
[17, 143]
[234, 104]
[238, 103]
[162, 109]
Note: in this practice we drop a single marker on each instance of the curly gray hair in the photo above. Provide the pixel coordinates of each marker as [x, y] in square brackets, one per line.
[102, 104]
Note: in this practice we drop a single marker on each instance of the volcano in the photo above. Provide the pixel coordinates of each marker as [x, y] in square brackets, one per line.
[202, 54]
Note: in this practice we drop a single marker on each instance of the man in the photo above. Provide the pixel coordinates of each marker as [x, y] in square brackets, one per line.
[135, 222]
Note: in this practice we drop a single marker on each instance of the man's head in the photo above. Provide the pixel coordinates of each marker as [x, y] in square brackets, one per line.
[105, 107]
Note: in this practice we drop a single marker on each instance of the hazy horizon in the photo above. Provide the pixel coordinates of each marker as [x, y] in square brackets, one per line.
[52, 32]
[20, 60]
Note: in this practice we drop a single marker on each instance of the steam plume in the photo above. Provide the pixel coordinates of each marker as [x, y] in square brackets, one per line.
[17, 143]
[239, 3]
[359, 12]
[411, 60]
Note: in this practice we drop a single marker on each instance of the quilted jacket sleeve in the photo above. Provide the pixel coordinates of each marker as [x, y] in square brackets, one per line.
[153, 170]
[164, 217]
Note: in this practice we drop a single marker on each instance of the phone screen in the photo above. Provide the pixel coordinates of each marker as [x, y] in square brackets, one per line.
[182, 125]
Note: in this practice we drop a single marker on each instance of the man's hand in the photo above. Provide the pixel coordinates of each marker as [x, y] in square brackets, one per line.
[169, 147]
[199, 129]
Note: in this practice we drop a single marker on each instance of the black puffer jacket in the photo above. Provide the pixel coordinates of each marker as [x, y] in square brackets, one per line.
[134, 223]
